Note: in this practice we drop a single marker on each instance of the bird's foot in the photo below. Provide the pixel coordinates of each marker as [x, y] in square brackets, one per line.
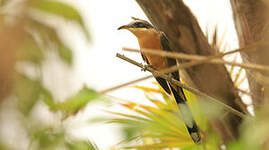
[146, 67]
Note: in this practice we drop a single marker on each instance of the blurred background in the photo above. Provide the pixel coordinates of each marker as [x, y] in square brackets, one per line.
[86, 33]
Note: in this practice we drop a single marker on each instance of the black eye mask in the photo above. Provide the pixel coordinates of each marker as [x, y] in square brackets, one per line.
[141, 25]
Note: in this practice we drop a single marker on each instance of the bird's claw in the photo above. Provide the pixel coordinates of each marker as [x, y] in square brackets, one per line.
[145, 67]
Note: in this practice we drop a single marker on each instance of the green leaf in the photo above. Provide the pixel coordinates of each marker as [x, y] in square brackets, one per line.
[4, 2]
[47, 97]
[75, 103]
[61, 9]
[27, 92]
[81, 145]
[29, 50]
[160, 145]
[129, 132]
[65, 53]
[4, 146]
[98, 119]
[241, 144]
[168, 120]
[236, 145]
[162, 124]
[254, 130]
[48, 138]
[49, 35]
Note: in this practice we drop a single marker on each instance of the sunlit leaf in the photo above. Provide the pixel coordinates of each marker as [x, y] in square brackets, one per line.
[3, 2]
[98, 119]
[193, 147]
[27, 92]
[129, 132]
[254, 130]
[163, 126]
[168, 100]
[49, 35]
[4, 147]
[29, 50]
[61, 9]
[47, 97]
[171, 119]
[78, 101]
[47, 138]
[160, 145]
[129, 116]
[241, 144]
[159, 123]
[164, 118]
[236, 146]
[198, 114]
[81, 145]
[65, 53]
[147, 89]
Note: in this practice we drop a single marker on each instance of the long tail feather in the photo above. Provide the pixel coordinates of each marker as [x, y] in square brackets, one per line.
[187, 116]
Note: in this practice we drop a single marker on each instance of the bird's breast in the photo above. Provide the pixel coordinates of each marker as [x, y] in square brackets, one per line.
[157, 62]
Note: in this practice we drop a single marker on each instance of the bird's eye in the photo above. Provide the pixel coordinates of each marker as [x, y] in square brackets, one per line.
[139, 25]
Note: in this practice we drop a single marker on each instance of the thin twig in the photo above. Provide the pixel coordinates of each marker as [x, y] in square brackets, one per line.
[124, 84]
[215, 60]
[176, 82]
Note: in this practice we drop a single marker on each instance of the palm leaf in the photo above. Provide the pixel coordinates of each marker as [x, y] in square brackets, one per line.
[159, 125]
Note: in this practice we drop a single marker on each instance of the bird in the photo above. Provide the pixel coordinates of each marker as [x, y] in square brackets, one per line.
[151, 38]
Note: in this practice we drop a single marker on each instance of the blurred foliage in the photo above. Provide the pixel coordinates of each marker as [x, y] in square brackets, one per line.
[61, 9]
[255, 132]
[4, 147]
[27, 92]
[160, 125]
[75, 103]
[50, 138]
[26, 37]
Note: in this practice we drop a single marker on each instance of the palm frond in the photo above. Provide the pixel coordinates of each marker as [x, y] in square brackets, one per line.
[159, 125]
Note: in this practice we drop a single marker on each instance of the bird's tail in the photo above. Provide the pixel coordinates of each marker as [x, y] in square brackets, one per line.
[187, 115]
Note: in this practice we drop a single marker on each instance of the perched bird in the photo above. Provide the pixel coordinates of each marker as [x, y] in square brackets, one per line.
[151, 38]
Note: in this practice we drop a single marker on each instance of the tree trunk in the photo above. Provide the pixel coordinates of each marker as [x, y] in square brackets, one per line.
[251, 23]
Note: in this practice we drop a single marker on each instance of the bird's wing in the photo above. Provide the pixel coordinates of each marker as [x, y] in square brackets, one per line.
[161, 81]
[144, 58]
[163, 84]
[171, 62]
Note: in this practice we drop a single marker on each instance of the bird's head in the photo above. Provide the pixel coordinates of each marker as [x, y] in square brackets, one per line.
[139, 28]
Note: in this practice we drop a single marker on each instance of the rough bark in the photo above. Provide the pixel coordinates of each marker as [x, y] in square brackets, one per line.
[251, 23]
[175, 19]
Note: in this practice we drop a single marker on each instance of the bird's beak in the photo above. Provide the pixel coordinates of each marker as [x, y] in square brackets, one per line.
[124, 27]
